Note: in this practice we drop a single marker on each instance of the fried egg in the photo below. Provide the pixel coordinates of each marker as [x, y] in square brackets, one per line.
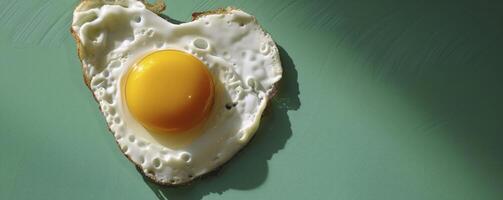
[180, 99]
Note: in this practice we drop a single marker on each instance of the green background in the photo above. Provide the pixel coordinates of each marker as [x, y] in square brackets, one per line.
[387, 99]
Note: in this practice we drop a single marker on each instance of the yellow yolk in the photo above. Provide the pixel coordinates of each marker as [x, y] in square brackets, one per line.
[169, 91]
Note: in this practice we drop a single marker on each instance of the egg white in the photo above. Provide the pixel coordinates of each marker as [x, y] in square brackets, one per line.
[241, 57]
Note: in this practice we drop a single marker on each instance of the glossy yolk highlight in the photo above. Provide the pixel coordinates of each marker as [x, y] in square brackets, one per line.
[169, 91]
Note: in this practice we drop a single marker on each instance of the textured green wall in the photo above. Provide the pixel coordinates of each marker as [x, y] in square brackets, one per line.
[385, 99]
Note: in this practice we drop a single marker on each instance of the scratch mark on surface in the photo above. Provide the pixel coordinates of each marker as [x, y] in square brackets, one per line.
[36, 21]
[8, 13]
[429, 127]
[283, 9]
[201, 6]
[41, 23]
[7, 9]
[50, 29]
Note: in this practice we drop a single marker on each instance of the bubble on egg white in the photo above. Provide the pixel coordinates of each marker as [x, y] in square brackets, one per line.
[138, 19]
[157, 163]
[201, 44]
[131, 138]
[142, 143]
[185, 157]
[142, 160]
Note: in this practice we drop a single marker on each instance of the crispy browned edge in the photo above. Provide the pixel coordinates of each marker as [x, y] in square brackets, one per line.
[157, 8]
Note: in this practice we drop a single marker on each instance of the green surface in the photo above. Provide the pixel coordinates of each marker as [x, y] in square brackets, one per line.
[383, 100]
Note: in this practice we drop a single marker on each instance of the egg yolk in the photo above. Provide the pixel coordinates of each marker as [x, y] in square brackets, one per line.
[169, 91]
